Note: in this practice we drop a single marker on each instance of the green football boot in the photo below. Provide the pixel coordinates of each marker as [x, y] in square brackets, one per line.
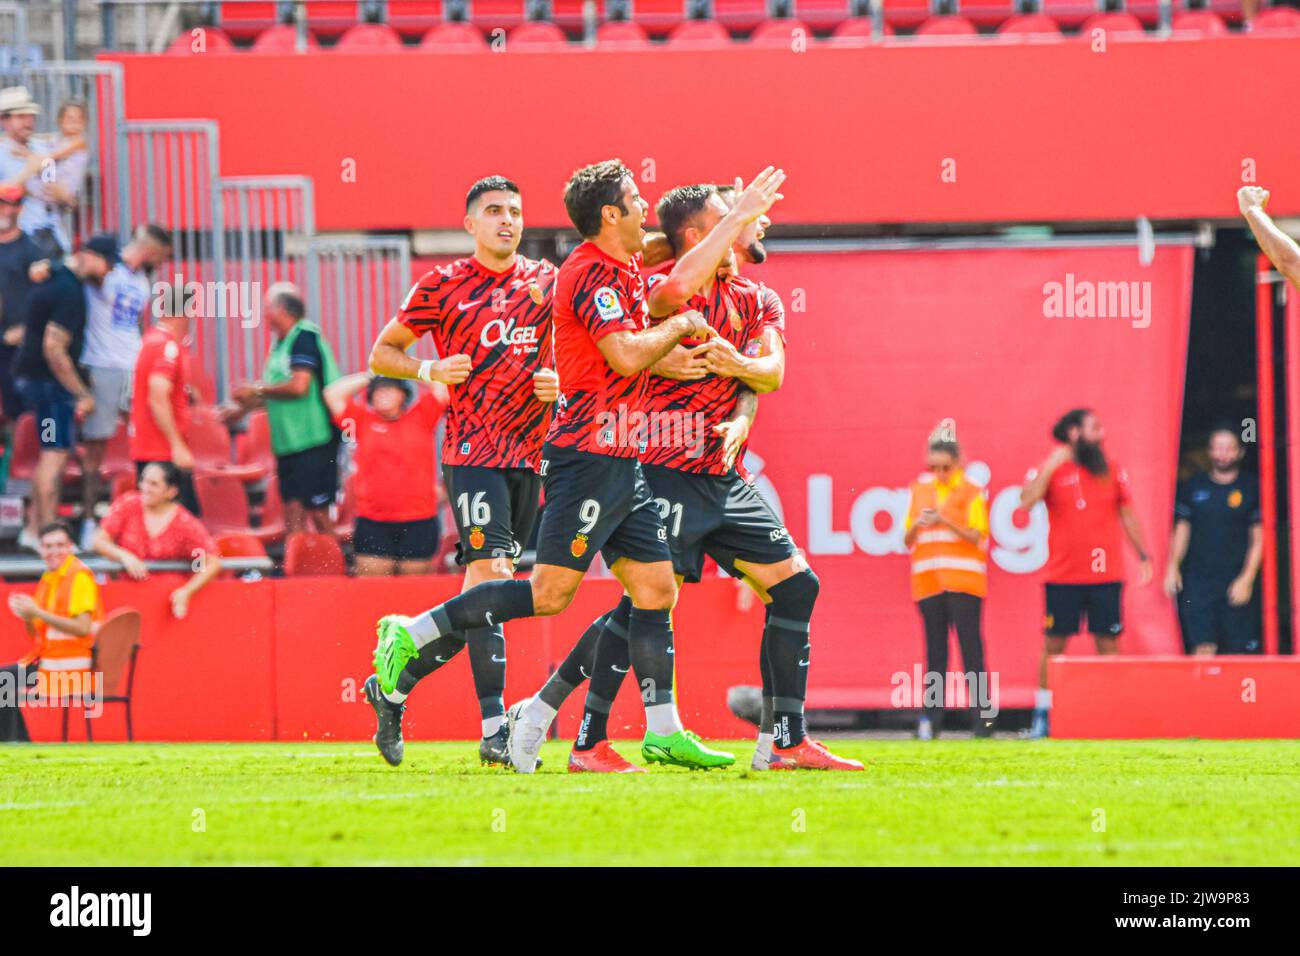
[683, 749]
[395, 648]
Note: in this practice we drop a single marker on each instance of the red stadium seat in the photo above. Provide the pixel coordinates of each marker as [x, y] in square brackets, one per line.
[537, 35]
[214, 40]
[856, 31]
[569, 16]
[1276, 20]
[253, 447]
[822, 14]
[1116, 24]
[987, 13]
[244, 21]
[657, 17]
[26, 448]
[906, 13]
[329, 18]
[345, 512]
[1205, 22]
[224, 504]
[282, 38]
[370, 38]
[310, 553]
[201, 383]
[239, 546]
[453, 36]
[781, 33]
[741, 15]
[414, 18]
[699, 33]
[489, 15]
[946, 27]
[270, 525]
[621, 33]
[117, 455]
[209, 441]
[1029, 24]
[1067, 13]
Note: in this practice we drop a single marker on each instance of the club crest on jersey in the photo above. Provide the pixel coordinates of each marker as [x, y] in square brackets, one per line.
[752, 348]
[1234, 498]
[578, 546]
[536, 294]
[607, 304]
[476, 538]
[734, 318]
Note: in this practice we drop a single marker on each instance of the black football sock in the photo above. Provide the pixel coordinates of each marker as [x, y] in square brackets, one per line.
[608, 669]
[487, 661]
[787, 631]
[650, 649]
[574, 669]
[767, 716]
[432, 656]
[484, 605]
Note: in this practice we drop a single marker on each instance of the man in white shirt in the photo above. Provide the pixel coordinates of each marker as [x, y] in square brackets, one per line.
[115, 312]
[22, 163]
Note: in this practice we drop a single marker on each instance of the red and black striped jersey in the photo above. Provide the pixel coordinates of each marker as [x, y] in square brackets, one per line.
[502, 321]
[598, 411]
[681, 415]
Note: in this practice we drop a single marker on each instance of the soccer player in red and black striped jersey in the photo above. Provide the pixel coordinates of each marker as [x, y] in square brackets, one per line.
[596, 497]
[701, 403]
[489, 316]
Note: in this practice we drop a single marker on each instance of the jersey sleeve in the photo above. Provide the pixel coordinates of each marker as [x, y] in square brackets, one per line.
[1123, 487]
[977, 515]
[85, 595]
[601, 306]
[164, 361]
[909, 518]
[420, 311]
[306, 351]
[1183, 503]
[772, 311]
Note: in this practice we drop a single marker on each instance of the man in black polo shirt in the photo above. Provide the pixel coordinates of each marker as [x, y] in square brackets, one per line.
[48, 371]
[1215, 554]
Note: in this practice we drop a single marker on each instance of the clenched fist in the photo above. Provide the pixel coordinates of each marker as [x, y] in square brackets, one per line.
[1251, 197]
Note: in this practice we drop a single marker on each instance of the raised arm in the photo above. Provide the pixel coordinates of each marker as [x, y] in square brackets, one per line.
[695, 268]
[1280, 248]
[1036, 487]
[339, 392]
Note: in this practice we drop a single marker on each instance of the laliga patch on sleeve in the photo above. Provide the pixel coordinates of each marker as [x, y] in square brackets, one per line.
[607, 304]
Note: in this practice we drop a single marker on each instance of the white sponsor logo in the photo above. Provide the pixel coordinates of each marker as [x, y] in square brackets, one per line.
[501, 332]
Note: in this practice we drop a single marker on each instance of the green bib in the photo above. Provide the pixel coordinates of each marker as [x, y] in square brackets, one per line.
[303, 422]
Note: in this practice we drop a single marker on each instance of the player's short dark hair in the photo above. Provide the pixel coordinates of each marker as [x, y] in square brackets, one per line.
[1071, 419]
[590, 190]
[58, 525]
[154, 233]
[486, 185]
[678, 208]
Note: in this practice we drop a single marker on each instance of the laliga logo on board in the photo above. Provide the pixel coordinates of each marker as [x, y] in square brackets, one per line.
[1019, 550]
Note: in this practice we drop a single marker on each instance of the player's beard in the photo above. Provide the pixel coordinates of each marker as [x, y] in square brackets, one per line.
[1090, 457]
[755, 253]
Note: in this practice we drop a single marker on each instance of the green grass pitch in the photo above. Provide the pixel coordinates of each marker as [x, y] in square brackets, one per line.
[919, 804]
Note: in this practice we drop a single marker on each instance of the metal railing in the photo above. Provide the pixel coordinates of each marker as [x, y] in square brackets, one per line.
[355, 287]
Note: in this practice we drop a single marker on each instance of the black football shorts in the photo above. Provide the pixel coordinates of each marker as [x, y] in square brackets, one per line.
[1066, 604]
[722, 516]
[494, 508]
[596, 503]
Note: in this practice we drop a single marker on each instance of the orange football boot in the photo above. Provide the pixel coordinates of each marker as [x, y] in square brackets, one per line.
[809, 754]
[601, 758]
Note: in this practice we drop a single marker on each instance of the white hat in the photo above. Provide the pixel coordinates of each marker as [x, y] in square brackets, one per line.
[16, 99]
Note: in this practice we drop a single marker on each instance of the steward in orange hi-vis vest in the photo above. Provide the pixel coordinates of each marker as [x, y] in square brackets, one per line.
[941, 559]
[67, 592]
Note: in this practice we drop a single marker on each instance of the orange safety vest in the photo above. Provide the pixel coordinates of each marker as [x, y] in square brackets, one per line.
[942, 560]
[58, 652]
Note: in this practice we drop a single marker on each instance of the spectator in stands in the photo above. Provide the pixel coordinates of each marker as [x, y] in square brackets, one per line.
[61, 620]
[21, 161]
[160, 410]
[298, 368]
[151, 525]
[1216, 551]
[392, 431]
[1089, 508]
[69, 153]
[47, 368]
[115, 312]
[947, 531]
[18, 252]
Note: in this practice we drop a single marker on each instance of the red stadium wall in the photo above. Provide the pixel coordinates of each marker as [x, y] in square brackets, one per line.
[284, 659]
[1042, 130]
[890, 343]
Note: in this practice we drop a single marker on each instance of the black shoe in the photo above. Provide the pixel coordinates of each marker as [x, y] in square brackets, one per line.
[388, 733]
[496, 749]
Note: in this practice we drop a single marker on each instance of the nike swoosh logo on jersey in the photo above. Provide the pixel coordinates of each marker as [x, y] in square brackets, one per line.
[583, 671]
[441, 660]
[498, 660]
[488, 616]
[615, 667]
[465, 306]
